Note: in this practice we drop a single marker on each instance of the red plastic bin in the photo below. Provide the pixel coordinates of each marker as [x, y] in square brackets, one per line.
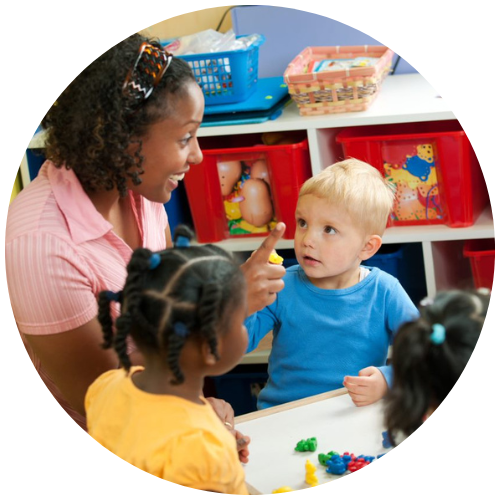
[435, 169]
[222, 207]
[481, 254]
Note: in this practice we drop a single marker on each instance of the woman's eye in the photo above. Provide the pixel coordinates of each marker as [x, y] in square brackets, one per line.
[330, 230]
[185, 140]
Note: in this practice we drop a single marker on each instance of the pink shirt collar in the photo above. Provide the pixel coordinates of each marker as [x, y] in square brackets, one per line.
[84, 221]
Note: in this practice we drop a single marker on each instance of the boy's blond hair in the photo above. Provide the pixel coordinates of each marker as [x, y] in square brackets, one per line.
[359, 188]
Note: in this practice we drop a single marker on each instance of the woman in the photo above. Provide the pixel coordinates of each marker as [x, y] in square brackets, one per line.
[119, 140]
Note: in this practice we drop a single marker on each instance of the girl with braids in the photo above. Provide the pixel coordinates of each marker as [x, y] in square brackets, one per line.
[118, 141]
[184, 309]
[429, 355]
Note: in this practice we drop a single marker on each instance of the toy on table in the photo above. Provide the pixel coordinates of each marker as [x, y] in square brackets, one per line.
[245, 189]
[283, 489]
[360, 462]
[311, 477]
[386, 442]
[307, 444]
[324, 457]
[336, 465]
[274, 258]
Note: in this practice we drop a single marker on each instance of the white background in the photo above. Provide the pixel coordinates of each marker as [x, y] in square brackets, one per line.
[44, 45]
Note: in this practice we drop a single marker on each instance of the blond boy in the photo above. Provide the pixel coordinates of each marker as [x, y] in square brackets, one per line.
[335, 319]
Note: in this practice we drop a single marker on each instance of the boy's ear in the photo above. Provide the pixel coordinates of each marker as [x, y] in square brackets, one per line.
[372, 245]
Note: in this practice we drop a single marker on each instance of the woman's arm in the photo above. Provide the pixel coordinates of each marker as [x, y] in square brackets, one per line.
[74, 359]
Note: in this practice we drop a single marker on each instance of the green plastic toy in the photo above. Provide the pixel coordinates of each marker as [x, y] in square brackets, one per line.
[310, 444]
[324, 457]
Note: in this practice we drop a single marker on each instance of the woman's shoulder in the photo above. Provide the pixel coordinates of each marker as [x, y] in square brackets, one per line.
[28, 210]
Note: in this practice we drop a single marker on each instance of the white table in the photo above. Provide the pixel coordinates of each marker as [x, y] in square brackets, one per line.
[331, 418]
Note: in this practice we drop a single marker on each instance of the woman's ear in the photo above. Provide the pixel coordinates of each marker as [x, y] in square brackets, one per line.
[372, 245]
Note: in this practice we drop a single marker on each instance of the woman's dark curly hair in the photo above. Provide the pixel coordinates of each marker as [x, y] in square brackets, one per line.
[190, 294]
[89, 128]
[425, 372]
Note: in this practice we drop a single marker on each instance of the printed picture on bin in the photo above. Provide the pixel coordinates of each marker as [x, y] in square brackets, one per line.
[246, 194]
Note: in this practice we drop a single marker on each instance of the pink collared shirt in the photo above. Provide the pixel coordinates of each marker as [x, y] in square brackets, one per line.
[60, 253]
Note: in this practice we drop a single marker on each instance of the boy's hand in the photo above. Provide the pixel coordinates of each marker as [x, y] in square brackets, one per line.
[264, 280]
[367, 388]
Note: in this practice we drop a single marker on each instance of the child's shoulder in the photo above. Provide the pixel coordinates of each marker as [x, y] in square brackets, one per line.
[381, 277]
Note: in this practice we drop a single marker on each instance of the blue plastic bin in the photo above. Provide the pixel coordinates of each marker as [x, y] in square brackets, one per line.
[240, 387]
[177, 209]
[388, 258]
[226, 77]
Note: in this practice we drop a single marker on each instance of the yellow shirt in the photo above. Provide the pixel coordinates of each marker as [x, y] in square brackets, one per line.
[167, 436]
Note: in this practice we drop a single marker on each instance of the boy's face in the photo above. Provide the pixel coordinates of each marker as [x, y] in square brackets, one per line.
[328, 244]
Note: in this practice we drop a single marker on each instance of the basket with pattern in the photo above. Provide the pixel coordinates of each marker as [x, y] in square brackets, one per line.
[324, 80]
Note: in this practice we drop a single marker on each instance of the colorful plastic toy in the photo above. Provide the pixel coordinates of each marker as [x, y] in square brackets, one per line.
[274, 258]
[348, 457]
[336, 465]
[324, 457]
[283, 489]
[311, 477]
[310, 444]
[386, 442]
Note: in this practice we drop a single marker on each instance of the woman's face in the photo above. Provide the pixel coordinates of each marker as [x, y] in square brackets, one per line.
[170, 146]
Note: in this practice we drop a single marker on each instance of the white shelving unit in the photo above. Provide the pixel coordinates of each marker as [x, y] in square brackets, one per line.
[403, 99]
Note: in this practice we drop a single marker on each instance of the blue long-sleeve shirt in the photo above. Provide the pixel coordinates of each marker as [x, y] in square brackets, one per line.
[320, 336]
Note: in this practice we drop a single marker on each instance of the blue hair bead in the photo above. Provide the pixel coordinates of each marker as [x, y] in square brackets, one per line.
[154, 261]
[180, 329]
[182, 242]
[438, 334]
[114, 296]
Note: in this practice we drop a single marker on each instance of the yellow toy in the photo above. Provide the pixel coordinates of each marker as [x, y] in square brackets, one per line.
[283, 489]
[274, 258]
[310, 474]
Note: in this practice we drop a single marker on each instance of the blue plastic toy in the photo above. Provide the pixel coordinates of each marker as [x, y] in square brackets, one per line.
[386, 443]
[336, 465]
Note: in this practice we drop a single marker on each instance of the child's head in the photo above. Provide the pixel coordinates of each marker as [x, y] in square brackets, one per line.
[184, 295]
[358, 188]
[100, 126]
[340, 216]
[429, 355]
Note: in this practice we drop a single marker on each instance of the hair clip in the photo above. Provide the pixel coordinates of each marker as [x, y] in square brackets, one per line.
[180, 329]
[114, 296]
[182, 242]
[150, 66]
[438, 334]
[154, 261]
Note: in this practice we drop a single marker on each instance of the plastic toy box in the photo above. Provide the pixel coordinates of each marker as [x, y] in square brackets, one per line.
[244, 188]
[324, 80]
[241, 386]
[435, 170]
[481, 254]
[228, 76]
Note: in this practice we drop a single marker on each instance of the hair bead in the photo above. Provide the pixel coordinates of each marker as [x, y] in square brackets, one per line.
[438, 334]
[154, 261]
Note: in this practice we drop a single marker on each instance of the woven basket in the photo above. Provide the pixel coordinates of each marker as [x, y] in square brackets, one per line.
[338, 91]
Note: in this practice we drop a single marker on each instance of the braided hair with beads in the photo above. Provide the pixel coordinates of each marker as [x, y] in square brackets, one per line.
[179, 293]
